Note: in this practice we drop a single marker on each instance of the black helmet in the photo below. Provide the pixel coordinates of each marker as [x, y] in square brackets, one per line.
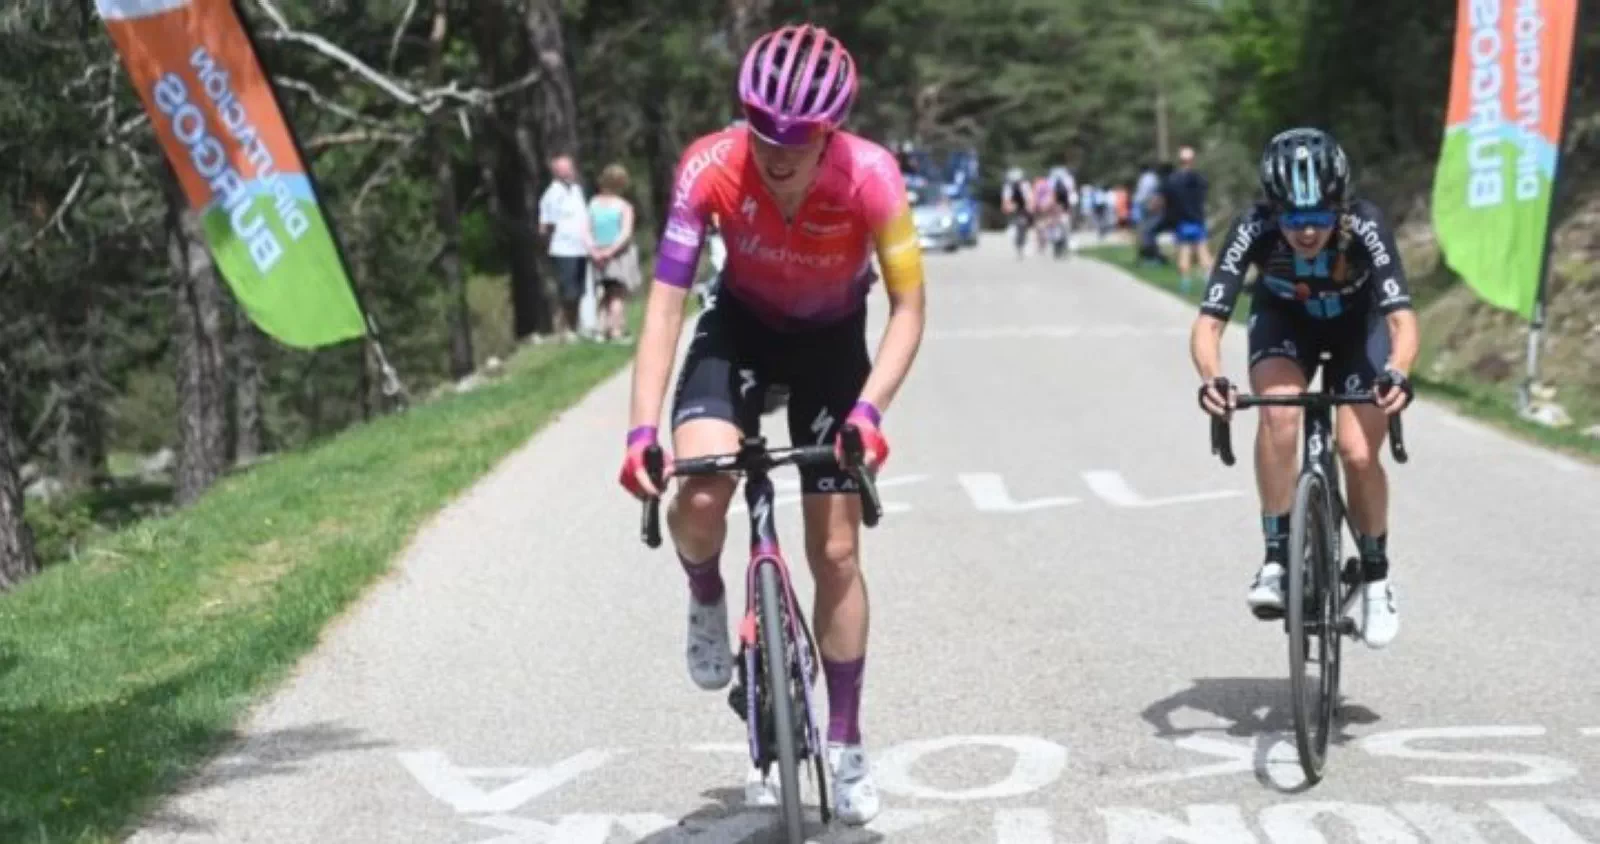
[1305, 169]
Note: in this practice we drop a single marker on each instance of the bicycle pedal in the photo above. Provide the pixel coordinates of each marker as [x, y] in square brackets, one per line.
[1267, 613]
[736, 701]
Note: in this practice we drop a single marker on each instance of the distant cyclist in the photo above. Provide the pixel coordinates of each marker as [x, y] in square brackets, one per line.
[804, 206]
[1064, 192]
[1016, 202]
[1330, 279]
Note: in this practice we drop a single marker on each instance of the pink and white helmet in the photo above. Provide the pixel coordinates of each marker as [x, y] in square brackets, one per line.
[797, 83]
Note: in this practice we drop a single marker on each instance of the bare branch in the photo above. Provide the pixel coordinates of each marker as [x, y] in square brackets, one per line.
[426, 102]
[379, 175]
[400, 31]
[61, 210]
[323, 102]
[356, 136]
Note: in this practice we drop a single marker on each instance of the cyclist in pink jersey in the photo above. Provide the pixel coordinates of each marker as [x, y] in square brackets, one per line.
[802, 206]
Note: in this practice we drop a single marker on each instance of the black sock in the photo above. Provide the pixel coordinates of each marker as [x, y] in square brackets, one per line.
[1374, 557]
[1275, 529]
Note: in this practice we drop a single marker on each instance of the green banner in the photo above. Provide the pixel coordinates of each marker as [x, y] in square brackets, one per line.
[217, 119]
[1503, 127]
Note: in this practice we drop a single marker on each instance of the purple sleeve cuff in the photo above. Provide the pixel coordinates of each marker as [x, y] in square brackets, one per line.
[865, 408]
[678, 254]
[641, 434]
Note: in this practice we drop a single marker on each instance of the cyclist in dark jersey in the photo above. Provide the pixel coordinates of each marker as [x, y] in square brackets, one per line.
[1330, 278]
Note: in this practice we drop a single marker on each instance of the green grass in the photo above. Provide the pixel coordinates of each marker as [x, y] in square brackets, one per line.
[123, 670]
[1491, 404]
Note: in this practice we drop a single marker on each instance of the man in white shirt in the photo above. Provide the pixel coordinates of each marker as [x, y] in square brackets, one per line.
[564, 218]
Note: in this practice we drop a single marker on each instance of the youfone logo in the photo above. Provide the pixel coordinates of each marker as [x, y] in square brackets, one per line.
[716, 154]
[1239, 246]
[1367, 230]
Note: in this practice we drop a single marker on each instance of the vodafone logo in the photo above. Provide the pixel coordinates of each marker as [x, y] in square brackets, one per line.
[716, 154]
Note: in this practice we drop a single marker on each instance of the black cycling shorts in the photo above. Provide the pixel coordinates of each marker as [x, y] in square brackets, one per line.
[734, 359]
[1357, 342]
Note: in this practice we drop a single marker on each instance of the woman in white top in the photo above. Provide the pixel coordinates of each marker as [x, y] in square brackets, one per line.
[615, 257]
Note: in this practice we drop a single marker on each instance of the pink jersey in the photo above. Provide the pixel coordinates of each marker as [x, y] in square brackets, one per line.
[819, 267]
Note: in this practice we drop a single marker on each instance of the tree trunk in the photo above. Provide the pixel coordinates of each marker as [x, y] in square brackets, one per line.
[514, 193]
[660, 155]
[249, 426]
[197, 338]
[17, 557]
[79, 440]
[444, 185]
[554, 104]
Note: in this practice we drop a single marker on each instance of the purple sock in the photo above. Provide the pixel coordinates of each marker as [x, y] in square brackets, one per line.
[705, 579]
[844, 699]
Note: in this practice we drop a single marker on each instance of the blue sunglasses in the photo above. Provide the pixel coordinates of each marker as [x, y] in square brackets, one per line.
[1308, 219]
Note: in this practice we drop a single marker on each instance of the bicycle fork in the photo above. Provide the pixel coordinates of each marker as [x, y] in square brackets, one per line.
[764, 551]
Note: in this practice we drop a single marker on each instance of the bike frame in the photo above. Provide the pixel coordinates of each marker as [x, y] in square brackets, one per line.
[755, 461]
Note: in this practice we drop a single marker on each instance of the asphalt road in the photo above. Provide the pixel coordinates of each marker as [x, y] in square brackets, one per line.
[1060, 646]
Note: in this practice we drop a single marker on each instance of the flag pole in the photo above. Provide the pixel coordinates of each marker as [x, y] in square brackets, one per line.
[393, 387]
[1536, 326]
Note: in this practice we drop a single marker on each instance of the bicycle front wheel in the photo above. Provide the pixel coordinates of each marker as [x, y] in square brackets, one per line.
[1312, 618]
[774, 643]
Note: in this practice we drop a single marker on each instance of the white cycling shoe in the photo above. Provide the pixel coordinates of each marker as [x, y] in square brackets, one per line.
[1266, 594]
[855, 793]
[710, 659]
[1375, 612]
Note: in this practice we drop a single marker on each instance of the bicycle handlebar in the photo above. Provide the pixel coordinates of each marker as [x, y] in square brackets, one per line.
[755, 457]
[1221, 434]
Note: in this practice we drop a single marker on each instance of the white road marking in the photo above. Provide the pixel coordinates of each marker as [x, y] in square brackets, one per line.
[1540, 825]
[989, 494]
[1540, 770]
[453, 785]
[1039, 762]
[1207, 824]
[1117, 492]
[1442, 823]
[1295, 823]
[1243, 758]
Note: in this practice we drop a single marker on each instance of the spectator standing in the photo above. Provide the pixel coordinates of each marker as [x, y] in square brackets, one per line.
[564, 219]
[614, 254]
[1147, 211]
[1187, 191]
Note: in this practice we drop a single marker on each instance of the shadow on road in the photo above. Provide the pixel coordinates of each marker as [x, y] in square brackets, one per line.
[726, 818]
[1254, 708]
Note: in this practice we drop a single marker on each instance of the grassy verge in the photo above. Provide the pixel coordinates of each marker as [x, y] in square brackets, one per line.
[1491, 404]
[121, 671]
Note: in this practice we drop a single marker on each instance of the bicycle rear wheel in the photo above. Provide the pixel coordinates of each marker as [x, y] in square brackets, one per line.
[775, 656]
[1312, 619]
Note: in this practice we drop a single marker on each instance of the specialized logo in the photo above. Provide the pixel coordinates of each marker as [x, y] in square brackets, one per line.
[717, 154]
[747, 380]
[821, 425]
[748, 209]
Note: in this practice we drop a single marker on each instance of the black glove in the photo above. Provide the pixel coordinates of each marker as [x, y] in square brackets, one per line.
[1394, 379]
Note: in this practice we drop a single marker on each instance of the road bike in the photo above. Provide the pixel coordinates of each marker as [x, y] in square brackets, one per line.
[1317, 586]
[778, 659]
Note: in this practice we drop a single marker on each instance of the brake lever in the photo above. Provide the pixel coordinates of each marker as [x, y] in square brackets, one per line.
[655, 467]
[855, 463]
